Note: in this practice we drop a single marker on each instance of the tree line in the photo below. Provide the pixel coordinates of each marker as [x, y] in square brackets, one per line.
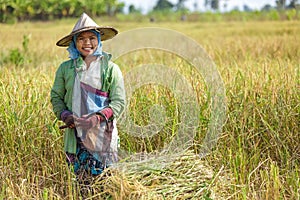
[216, 4]
[21, 10]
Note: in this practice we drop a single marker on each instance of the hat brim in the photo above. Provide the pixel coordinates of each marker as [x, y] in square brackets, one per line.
[106, 33]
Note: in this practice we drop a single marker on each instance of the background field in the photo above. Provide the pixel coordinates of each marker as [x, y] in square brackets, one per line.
[257, 156]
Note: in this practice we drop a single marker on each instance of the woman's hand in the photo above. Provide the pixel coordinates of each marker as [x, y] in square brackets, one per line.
[88, 122]
[69, 118]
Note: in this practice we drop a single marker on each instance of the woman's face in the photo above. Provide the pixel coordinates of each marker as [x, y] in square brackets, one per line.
[86, 43]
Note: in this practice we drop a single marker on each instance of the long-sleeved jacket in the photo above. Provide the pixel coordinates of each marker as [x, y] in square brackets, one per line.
[62, 91]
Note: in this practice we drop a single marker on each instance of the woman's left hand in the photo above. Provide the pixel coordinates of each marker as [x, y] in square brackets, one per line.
[88, 122]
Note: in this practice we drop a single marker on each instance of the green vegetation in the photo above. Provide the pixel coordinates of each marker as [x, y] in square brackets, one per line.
[167, 16]
[20, 10]
[257, 155]
[13, 11]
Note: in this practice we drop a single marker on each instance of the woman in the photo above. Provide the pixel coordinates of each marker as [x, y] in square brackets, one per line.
[88, 96]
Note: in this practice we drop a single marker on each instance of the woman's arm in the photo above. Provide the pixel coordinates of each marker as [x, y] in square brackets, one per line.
[116, 91]
[57, 94]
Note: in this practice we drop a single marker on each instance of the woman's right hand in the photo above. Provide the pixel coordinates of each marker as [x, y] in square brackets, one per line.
[69, 118]
[70, 121]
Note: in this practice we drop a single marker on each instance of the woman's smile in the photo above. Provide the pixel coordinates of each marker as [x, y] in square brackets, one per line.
[87, 43]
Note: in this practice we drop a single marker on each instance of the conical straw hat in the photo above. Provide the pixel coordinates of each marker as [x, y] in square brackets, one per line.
[85, 23]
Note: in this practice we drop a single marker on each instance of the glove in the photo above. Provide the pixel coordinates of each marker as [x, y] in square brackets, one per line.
[68, 117]
[88, 122]
[107, 112]
[105, 115]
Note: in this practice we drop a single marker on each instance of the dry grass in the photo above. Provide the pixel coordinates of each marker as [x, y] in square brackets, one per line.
[257, 156]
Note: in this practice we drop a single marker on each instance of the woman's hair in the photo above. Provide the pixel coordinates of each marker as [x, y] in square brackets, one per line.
[73, 51]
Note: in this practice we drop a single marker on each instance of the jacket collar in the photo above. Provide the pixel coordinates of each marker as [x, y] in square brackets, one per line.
[78, 62]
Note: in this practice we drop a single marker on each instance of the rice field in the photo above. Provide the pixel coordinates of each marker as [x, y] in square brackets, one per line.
[258, 152]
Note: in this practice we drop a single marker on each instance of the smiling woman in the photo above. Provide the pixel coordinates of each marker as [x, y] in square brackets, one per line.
[88, 96]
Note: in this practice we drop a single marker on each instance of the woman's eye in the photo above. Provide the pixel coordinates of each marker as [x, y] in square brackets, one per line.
[82, 39]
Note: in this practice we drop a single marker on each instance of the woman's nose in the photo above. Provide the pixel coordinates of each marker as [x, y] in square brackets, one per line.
[87, 41]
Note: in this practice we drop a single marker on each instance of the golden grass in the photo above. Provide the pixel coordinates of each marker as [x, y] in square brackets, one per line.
[257, 156]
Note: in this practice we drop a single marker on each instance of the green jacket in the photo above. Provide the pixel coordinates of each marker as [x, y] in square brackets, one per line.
[62, 92]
